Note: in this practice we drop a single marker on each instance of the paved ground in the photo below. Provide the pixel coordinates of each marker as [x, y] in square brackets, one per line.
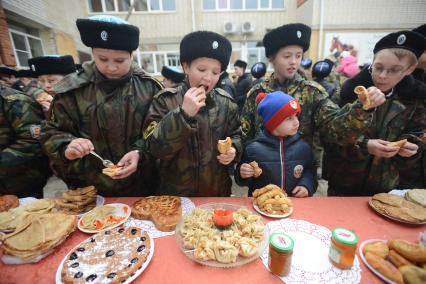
[55, 187]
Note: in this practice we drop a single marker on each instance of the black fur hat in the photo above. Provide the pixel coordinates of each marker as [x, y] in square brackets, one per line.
[421, 30]
[258, 70]
[291, 34]
[322, 69]
[52, 64]
[408, 40]
[108, 32]
[25, 73]
[205, 44]
[172, 74]
[240, 63]
[7, 71]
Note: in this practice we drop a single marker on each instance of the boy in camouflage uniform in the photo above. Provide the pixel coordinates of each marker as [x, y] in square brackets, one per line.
[284, 47]
[102, 108]
[24, 169]
[372, 166]
[184, 124]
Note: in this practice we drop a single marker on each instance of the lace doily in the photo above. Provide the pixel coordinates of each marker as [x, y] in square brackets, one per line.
[187, 206]
[310, 263]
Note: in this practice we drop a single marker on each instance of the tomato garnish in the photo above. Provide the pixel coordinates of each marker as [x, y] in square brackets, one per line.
[98, 224]
[222, 217]
[125, 209]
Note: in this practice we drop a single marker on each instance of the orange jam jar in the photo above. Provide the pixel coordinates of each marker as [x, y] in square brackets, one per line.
[280, 254]
[342, 248]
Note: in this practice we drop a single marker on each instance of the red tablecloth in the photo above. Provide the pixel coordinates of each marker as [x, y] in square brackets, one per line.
[170, 265]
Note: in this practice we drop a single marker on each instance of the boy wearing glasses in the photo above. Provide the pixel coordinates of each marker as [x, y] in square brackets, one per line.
[372, 166]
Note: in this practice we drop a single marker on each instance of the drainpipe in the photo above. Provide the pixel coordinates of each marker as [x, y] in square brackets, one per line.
[193, 15]
[321, 30]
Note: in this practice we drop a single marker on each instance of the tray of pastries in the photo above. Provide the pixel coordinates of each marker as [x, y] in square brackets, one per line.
[395, 261]
[398, 208]
[272, 201]
[221, 235]
[118, 255]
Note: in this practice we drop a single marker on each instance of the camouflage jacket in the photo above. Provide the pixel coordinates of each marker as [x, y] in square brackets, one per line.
[401, 116]
[319, 113]
[110, 113]
[187, 147]
[23, 167]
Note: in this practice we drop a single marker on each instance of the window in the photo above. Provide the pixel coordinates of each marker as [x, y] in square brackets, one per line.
[95, 5]
[242, 4]
[153, 61]
[25, 46]
[123, 6]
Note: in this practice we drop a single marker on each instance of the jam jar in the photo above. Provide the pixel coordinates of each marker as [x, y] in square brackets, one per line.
[280, 253]
[342, 248]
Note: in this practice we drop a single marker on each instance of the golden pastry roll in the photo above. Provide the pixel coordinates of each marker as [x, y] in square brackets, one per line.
[256, 168]
[411, 251]
[398, 143]
[363, 97]
[378, 248]
[385, 268]
[397, 259]
[413, 274]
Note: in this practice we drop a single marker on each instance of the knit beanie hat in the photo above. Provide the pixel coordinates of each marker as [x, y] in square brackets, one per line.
[275, 107]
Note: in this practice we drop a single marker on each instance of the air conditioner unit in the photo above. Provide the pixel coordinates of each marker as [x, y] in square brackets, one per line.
[229, 28]
[247, 27]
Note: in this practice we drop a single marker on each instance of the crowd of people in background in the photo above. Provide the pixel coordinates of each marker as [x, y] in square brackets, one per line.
[299, 120]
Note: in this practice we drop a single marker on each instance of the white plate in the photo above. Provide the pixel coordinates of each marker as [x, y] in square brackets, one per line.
[99, 202]
[138, 272]
[240, 260]
[272, 215]
[26, 200]
[392, 217]
[119, 211]
[361, 253]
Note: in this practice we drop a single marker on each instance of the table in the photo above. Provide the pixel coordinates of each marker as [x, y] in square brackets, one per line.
[170, 265]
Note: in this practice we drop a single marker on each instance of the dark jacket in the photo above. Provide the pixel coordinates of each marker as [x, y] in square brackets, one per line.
[285, 162]
[242, 87]
[352, 170]
[110, 113]
[226, 84]
[419, 74]
[331, 88]
[24, 169]
[187, 147]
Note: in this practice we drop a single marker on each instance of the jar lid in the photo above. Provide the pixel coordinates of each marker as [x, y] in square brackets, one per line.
[344, 236]
[281, 242]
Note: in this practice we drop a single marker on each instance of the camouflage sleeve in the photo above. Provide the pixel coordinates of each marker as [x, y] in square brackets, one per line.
[248, 119]
[166, 131]
[339, 126]
[58, 132]
[414, 132]
[21, 118]
[235, 129]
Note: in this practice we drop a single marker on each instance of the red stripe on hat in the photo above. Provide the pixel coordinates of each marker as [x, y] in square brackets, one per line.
[279, 116]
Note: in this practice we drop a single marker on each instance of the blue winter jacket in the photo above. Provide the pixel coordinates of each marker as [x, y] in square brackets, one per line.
[274, 154]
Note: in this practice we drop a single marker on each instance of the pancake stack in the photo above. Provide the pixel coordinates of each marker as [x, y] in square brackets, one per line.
[77, 201]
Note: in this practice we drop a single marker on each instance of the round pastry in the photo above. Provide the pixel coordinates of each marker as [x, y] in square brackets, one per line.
[363, 97]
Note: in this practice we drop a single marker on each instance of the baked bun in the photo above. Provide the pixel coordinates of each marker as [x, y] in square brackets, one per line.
[398, 143]
[363, 97]
[44, 97]
[256, 168]
[224, 145]
[377, 248]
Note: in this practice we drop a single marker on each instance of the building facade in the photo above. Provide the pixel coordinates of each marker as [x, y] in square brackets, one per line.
[37, 27]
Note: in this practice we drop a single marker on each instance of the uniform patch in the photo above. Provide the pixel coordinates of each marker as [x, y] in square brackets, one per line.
[35, 131]
[245, 125]
[150, 129]
[298, 171]
[293, 104]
